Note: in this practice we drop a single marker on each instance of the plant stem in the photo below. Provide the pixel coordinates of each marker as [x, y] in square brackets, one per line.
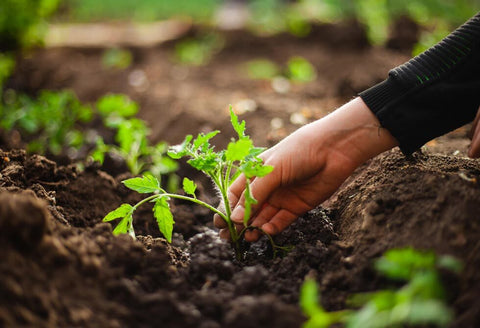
[196, 201]
[270, 239]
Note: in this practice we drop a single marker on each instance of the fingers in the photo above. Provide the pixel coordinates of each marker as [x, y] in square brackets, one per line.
[236, 189]
[219, 222]
[474, 151]
[233, 199]
[224, 234]
[279, 222]
[474, 125]
[272, 221]
[261, 189]
[264, 215]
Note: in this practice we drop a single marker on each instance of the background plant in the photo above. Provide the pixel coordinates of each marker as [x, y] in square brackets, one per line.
[131, 138]
[145, 10]
[199, 50]
[297, 69]
[117, 58]
[51, 123]
[23, 22]
[421, 301]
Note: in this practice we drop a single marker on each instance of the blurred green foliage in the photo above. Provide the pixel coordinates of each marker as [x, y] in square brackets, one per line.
[22, 22]
[55, 123]
[199, 50]
[131, 138]
[117, 58]
[295, 17]
[50, 122]
[421, 301]
[297, 69]
[438, 16]
[300, 70]
[144, 10]
[7, 64]
[262, 69]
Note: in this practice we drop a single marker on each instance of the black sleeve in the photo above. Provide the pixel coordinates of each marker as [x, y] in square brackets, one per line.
[433, 93]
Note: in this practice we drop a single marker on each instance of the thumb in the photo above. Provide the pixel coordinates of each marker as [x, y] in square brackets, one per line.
[260, 189]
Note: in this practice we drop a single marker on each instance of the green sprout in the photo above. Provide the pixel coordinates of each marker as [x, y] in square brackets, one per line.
[51, 119]
[421, 301]
[198, 51]
[301, 70]
[7, 64]
[117, 112]
[262, 69]
[116, 58]
[223, 167]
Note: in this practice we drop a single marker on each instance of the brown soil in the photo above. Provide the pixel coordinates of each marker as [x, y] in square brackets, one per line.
[62, 267]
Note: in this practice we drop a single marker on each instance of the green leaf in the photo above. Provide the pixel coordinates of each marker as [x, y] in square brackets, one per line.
[238, 127]
[201, 142]
[451, 263]
[262, 69]
[98, 154]
[119, 105]
[161, 211]
[119, 212]
[178, 151]
[255, 151]
[124, 226]
[309, 297]
[144, 185]
[238, 150]
[404, 263]
[299, 69]
[428, 312]
[132, 135]
[255, 169]
[189, 186]
[206, 163]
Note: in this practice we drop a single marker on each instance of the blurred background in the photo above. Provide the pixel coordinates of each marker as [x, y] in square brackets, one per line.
[23, 22]
[175, 66]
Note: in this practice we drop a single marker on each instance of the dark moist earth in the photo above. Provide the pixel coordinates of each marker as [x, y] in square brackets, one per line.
[62, 267]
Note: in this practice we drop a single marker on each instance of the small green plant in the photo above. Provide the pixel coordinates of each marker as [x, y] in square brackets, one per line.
[116, 58]
[301, 70]
[7, 64]
[262, 69]
[240, 157]
[421, 301]
[117, 112]
[198, 51]
[297, 69]
[50, 121]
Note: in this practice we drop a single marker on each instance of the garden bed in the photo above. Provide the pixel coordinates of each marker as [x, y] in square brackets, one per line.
[62, 267]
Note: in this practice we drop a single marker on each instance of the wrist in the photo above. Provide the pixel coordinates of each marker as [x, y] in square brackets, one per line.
[354, 131]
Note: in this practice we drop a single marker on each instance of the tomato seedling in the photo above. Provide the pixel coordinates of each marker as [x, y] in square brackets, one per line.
[52, 120]
[132, 144]
[223, 167]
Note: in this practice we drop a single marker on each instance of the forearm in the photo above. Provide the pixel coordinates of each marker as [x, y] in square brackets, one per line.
[353, 131]
[432, 93]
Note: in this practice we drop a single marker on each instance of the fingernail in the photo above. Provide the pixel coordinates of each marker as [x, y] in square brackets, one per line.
[237, 214]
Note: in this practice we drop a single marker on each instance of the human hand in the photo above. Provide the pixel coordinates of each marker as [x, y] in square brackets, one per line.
[309, 166]
[474, 151]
